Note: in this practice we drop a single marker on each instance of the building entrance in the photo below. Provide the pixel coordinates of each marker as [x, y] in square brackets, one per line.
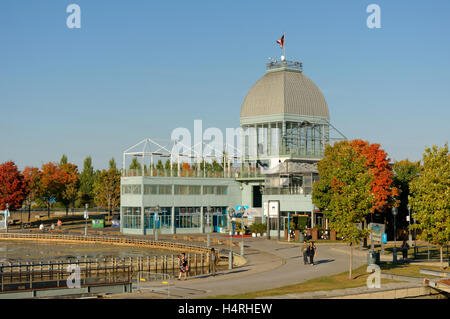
[257, 197]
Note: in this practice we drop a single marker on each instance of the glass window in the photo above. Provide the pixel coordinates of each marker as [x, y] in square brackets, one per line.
[181, 190]
[221, 190]
[150, 189]
[194, 190]
[165, 189]
[131, 189]
[131, 217]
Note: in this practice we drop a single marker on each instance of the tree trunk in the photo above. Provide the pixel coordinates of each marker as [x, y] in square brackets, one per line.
[67, 210]
[48, 209]
[442, 265]
[351, 263]
[29, 212]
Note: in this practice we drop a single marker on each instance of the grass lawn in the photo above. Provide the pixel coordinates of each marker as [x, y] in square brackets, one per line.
[339, 281]
[406, 269]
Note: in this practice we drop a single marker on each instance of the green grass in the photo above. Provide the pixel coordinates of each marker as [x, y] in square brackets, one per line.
[339, 281]
[405, 269]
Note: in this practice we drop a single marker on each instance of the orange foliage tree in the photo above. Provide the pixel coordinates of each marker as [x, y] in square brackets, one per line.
[13, 188]
[32, 177]
[378, 164]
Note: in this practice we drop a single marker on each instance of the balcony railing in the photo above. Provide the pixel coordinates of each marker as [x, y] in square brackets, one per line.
[235, 172]
[287, 190]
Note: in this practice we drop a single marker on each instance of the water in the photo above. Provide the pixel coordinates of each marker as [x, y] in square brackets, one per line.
[14, 251]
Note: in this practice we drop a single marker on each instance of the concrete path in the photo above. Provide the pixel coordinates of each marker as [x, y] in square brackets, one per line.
[271, 264]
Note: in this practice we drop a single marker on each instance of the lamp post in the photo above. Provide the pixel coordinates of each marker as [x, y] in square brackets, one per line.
[242, 210]
[394, 255]
[155, 219]
[409, 228]
[86, 216]
[208, 217]
[230, 257]
[6, 216]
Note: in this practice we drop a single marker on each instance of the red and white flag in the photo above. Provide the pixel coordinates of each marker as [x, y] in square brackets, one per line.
[281, 41]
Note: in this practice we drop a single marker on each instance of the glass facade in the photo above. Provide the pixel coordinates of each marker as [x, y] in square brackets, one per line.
[157, 189]
[187, 217]
[132, 217]
[164, 218]
[131, 189]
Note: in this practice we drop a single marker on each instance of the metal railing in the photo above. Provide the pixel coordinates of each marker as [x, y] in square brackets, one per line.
[287, 191]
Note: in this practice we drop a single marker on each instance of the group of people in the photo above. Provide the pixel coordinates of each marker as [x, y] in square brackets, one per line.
[52, 226]
[184, 265]
[309, 250]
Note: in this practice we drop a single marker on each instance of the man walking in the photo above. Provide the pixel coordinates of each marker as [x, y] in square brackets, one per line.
[312, 251]
[305, 252]
[213, 261]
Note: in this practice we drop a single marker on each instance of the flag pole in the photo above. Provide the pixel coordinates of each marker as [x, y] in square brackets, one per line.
[284, 45]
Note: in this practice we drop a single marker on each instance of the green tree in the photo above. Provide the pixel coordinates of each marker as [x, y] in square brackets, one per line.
[430, 197]
[343, 192]
[405, 171]
[107, 189]
[159, 165]
[87, 180]
[63, 159]
[112, 163]
[135, 164]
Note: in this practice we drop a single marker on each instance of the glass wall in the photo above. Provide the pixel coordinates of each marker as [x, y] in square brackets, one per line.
[131, 189]
[132, 217]
[157, 189]
[187, 217]
[165, 218]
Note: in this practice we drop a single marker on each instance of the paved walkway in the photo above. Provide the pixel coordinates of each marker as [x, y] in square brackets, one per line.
[271, 264]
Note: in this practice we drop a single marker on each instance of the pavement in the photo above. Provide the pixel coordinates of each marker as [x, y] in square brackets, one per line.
[270, 264]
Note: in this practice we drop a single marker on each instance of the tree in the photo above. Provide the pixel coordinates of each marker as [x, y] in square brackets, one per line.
[52, 183]
[87, 180]
[159, 165]
[405, 171]
[32, 176]
[430, 197]
[63, 159]
[13, 188]
[69, 191]
[107, 189]
[112, 163]
[343, 192]
[135, 164]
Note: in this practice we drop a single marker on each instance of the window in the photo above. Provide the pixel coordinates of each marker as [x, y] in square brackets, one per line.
[208, 190]
[131, 217]
[131, 189]
[150, 189]
[181, 190]
[165, 189]
[222, 190]
[194, 190]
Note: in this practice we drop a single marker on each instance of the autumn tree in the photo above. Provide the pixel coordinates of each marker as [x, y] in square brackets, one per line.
[69, 191]
[107, 188]
[52, 183]
[32, 176]
[430, 198]
[13, 188]
[344, 192]
[87, 180]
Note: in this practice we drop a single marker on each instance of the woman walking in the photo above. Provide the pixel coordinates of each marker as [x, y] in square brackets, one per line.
[184, 267]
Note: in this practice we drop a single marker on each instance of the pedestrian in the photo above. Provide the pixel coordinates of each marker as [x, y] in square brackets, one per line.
[312, 252]
[59, 223]
[52, 227]
[405, 248]
[41, 227]
[184, 267]
[305, 252]
[213, 261]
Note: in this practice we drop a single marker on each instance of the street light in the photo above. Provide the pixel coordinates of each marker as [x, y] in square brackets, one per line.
[409, 228]
[6, 216]
[208, 217]
[230, 257]
[155, 219]
[86, 216]
[242, 210]
[394, 255]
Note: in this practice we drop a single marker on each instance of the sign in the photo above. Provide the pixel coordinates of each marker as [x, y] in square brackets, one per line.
[86, 214]
[274, 208]
[6, 213]
[98, 223]
[384, 237]
[238, 207]
[377, 231]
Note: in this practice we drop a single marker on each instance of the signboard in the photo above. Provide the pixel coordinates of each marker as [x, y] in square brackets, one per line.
[238, 208]
[384, 238]
[6, 213]
[377, 231]
[86, 215]
[274, 208]
[98, 223]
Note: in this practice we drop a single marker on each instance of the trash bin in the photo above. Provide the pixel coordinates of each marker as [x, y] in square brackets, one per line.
[373, 257]
[301, 237]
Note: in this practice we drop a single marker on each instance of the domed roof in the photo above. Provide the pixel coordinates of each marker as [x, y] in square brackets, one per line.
[284, 92]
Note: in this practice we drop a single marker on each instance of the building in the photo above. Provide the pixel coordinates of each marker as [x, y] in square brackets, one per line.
[285, 126]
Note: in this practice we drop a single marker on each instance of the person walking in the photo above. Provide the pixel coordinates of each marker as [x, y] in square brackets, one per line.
[312, 252]
[213, 261]
[405, 248]
[184, 267]
[305, 252]
[59, 224]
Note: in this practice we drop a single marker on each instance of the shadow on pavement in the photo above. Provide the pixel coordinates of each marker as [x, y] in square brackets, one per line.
[323, 261]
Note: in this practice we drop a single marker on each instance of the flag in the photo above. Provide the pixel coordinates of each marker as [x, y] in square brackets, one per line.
[281, 41]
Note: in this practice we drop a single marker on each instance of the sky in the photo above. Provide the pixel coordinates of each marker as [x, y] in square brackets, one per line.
[138, 69]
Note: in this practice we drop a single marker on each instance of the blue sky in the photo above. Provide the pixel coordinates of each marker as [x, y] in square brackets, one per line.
[139, 69]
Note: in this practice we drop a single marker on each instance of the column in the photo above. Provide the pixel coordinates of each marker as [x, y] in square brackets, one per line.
[172, 214]
[202, 226]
